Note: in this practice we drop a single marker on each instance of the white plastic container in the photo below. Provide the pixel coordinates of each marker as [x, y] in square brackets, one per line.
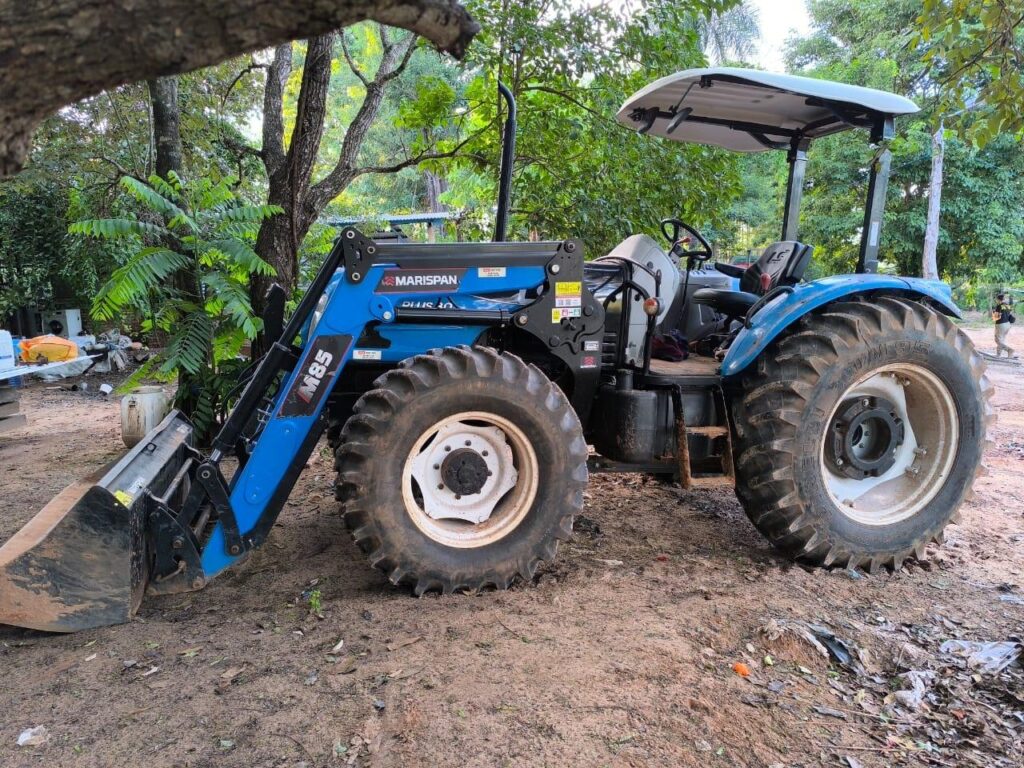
[6, 351]
[142, 410]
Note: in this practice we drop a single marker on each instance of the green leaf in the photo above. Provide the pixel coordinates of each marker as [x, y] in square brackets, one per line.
[110, 229]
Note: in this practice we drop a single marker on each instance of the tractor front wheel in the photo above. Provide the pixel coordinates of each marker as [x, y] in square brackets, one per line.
[860, 433]
[461, 469]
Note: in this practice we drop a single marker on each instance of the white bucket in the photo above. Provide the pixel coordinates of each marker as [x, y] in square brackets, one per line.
[142, 410]
[6, 351]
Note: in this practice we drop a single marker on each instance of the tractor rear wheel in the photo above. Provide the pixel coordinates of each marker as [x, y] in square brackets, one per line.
[461, 469]
[860, 433]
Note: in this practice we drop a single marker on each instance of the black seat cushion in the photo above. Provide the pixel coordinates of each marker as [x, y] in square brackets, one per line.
[729, 303]
[782, 263]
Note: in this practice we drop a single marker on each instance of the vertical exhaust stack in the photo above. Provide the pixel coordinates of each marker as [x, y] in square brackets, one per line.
[508, 156]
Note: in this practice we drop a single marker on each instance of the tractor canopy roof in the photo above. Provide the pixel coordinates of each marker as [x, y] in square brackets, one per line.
[747, 110]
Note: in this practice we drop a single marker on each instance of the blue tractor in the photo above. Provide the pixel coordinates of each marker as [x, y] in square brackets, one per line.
[469, 390]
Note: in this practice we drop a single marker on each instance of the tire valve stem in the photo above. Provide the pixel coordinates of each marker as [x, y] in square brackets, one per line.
[920, 451]
[912, 470]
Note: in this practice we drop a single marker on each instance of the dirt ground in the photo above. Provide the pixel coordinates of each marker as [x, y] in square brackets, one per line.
[621, 653]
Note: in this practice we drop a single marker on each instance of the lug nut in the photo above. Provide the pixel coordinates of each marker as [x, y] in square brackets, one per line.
[437, 466]
[440, 486]
[447, 448]
[468, 443]
[522, 319]
[484, 453]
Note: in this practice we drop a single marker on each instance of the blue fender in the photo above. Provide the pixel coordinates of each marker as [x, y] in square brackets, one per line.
[783, 311]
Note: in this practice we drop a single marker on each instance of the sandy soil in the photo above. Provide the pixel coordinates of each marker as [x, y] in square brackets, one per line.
[620, 654]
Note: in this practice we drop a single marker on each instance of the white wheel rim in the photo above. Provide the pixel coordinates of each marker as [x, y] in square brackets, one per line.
[477, 519]
[922, 462]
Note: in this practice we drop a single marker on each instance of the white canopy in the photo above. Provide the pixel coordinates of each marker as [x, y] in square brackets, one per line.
[746, 110]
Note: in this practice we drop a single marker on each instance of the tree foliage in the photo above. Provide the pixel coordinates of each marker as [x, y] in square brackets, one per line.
[975, 50]
[195, 292]
[982, 228]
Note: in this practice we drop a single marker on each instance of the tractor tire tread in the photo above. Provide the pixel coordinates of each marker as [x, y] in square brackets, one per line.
[372, 423]
[767, 420]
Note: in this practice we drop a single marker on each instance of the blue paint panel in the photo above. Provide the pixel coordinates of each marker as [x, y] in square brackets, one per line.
[347, 311]
[782, 312]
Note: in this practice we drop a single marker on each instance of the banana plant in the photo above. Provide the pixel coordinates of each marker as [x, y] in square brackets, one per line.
[188, 278]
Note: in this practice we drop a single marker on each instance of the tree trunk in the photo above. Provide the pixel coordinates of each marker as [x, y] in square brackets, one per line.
[163, 95]
[929, 261]
[436, 186]
[163, 98]
[290, 173]
[55, 52]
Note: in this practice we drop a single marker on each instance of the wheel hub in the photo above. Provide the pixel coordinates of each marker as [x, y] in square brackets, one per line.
[864, 437]
[464, 472]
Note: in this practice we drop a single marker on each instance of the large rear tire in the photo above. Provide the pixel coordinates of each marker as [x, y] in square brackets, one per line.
[860, 433]
[461, 469]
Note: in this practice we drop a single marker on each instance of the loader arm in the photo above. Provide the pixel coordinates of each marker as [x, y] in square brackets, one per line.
[166, 520]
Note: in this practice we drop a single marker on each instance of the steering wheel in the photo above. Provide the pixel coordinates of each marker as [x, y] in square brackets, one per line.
[680, 235]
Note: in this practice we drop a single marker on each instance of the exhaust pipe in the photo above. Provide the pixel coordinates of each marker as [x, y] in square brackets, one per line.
[508, 156]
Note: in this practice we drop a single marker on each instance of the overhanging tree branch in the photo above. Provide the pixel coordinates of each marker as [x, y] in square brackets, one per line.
[55, 52]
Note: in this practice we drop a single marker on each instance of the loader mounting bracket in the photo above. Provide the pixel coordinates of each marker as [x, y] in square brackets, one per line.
[175, 551]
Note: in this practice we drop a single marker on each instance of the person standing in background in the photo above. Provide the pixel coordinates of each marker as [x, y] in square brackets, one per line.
[1002, 316]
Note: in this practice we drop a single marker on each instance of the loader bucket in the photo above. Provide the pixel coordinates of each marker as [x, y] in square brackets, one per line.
[82, 561]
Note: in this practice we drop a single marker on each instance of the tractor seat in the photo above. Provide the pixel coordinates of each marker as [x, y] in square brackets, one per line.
[782, 263]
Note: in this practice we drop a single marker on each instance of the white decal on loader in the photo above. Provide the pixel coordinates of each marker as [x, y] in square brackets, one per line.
[315, 374]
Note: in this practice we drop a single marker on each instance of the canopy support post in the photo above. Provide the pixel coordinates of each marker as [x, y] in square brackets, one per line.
[797, 159]
[878, 183]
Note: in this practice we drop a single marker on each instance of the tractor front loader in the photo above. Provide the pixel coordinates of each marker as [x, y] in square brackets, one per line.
[468, 390]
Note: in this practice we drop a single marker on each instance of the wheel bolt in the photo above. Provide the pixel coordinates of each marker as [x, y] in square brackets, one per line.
[468, 443]
[839, 461]
[457, 497]
[484, 453]
[867, 402]
[437, 466]
[440, 486]
[447, 448]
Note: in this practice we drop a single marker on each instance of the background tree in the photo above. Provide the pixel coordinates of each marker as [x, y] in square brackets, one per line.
[975, 50]
[55, 53]
[188, 277]
[981, 227]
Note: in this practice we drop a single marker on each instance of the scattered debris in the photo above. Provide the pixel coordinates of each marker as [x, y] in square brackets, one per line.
[990, 657]
[741, 669]
[402, 643]
[829, 712]
[33, 737]
[920, 681]
[819, 638]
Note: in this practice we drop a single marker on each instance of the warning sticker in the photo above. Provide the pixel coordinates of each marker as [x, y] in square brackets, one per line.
[366, 354]
[124, 497]
[568, 289]
[588, 361]
[591, 346]
[563, 313]
[491, 272]
[569, 302]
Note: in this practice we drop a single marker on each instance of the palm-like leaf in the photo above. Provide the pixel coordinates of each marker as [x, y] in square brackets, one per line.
[155, 201]
[230, 297]
[190, 345]
[132, 283]
[242, 255]
[111, 229]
